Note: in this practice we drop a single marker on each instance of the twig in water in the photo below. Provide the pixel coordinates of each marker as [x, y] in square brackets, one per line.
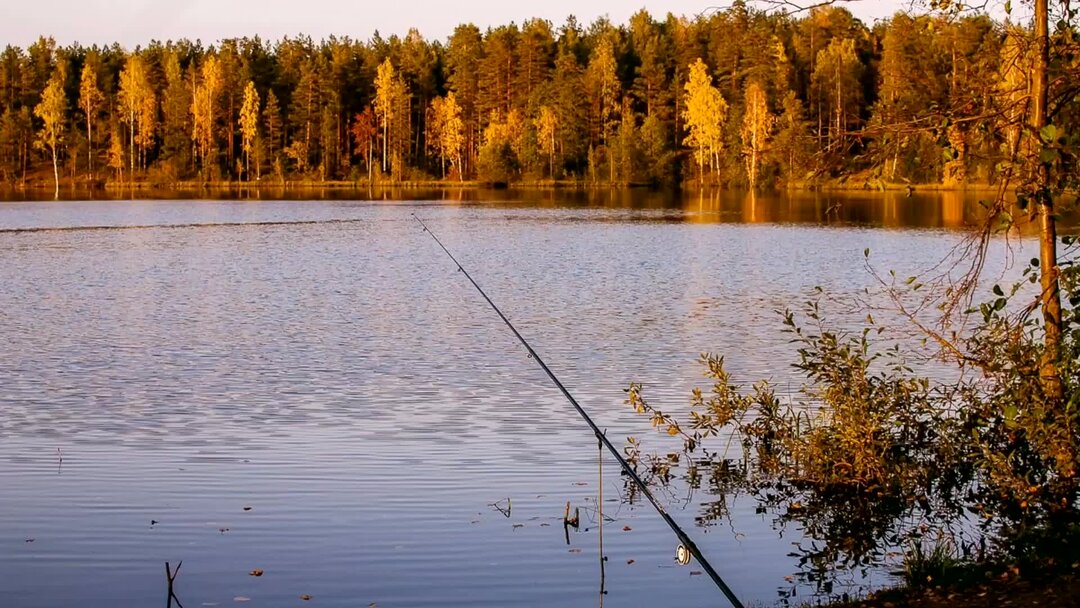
[170, 574]
[504, 511]
[572, 522]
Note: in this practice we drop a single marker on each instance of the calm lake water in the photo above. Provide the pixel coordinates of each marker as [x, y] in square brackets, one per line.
[309, 388]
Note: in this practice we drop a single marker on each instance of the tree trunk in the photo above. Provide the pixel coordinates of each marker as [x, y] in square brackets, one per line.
[89, 145]
[56, 174]
[1051, 296]
[131, 141]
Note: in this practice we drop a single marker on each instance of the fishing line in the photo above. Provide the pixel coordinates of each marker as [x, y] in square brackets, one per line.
[684, 540]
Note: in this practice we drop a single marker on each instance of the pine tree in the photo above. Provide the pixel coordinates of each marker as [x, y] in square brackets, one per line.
[605, 91]
[272, 123]
[462, 60]
[176, 118]
[837, 75]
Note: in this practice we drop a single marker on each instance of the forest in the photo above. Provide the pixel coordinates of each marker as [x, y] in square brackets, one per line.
[738, 97]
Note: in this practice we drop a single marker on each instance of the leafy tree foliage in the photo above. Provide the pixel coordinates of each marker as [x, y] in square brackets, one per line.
[916, 98]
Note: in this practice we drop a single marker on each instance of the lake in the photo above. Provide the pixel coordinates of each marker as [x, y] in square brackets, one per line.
[309, 388]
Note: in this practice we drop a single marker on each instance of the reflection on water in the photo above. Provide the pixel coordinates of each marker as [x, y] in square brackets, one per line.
[892, 209]
[310, 390]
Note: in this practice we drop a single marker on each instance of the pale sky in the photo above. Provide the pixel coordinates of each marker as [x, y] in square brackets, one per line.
[133, 22]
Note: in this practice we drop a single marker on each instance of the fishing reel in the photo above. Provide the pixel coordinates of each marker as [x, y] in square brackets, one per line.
[682, 555]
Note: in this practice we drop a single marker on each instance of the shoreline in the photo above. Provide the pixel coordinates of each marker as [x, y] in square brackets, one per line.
[340, 185]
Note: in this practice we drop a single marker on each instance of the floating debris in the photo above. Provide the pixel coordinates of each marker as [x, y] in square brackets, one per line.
[223, 530]
[306, 597]
[241, 598]
[504, 509]
[571, 521]
[256, 572]
[247, 508]
[154, 522]
[575, 551]
[626, 528]
[30, 540]
[629, 561]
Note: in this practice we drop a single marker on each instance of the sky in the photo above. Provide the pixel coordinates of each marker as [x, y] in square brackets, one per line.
[134, 22]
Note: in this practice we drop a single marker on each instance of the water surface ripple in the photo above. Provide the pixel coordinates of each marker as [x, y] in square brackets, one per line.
[323, 363]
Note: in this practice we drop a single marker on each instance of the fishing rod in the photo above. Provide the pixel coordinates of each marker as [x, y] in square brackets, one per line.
[684, 540]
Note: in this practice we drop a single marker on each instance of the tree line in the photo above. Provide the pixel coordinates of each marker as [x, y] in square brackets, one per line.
[736, 97]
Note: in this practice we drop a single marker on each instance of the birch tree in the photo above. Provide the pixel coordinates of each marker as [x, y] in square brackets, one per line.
[90, 102]
[705, 115]
[547, 124]
[385, 105]
[447, 132]
[756, 130]
[139, 106]
[203, 113]
[51, 111]
[249, 124]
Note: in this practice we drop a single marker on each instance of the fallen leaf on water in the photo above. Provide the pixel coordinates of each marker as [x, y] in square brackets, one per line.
[629, 561]
[305, 597]
[626, 528]
[256, 572]
[695, 573]
[789, 579]
[241, 598]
